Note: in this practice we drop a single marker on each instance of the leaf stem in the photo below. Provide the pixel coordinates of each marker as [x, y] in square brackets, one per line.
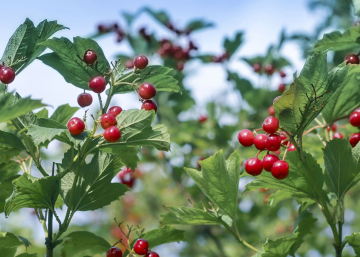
[112, 83]
[49, 245]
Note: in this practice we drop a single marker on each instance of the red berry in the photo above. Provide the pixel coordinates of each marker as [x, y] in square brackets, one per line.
[283, 137]
[259, 141]
[141, 62]
[338, 135]
[129, 64]
[253, 166]
[355, 119]
[152, 254]
[282, 74]
[291, 148]
[90, 57]
[7, 75]
[97, 84]
[107, 120]
[126, 176]
[149, 105]
[114, 252]
[352, 59]
[334, 127]
[270, 124]
[257, 67]
[271, 110]
[112, 134]
[141, 246]
[246, 137]
[269, 69]
[280, 169]
[282, 87]
[273, 142]
[76, 126]
[115, 110]
[268, 161]
[84, 99]
[147, 91]
[354, 139]
[275, 99]
[180, 66]
[202, 118]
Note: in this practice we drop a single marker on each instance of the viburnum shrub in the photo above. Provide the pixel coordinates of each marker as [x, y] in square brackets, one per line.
[75, 185]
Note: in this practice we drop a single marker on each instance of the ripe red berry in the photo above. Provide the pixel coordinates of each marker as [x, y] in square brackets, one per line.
[84, 99]
[129, 64]
[352, 59]
[112, 134]
[280, 169]
[141, 246]
[355, 119]
[259, 141]
[282, 74]
[141, 62]
[273, 142]
[283, 137]
[269, 69]
[90, 57]
[7, 75]
[202, 118]
[334, 127]
[76, 126]
[338, 135]
[270, 124]
[291, 148]
[246, 137]
[268, 161]
[253, 166]
[152, 254]
[107, 120]
[115, 110]
[257, 67]
[282, 87]
[354, 139]
[114, 252]
[97, 84]
[126, 177]
[271, 110]
[149, 105]
[147, 91]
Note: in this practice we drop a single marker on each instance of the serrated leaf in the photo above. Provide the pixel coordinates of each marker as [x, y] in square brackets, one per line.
[8, 172]
[11, 140]
[219, 180]
[157, 75]
[278, 248]
[31, 192]
[43, 113]
[9, 243]
[337, 41]
[231, 45]
[354, 241]
[83, 243]
[63, 113]
[198, 24]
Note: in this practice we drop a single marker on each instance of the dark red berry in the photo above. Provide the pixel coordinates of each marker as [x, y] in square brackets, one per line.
[270, 124]
[269, 69]
[275, 99]
[268, 161]
[273, 142]
[259, 141]
[257, 67]
[152, 254]
[282, 74]
[202, 118]
[334, 127]
[271, 110]
[126, 176]
[90, 57]
[141, 246]
[253, 166]
[7, 75]
[114, 252]
[352, 59]
[355, 119]
[107, 120]
[76, 126]
[282, 87]
[280, 169]
[147, 91]
[283, 137]
[291, 148]
[112, 134]
[84, 99]
[246, 137]
[140, 62]
[338, 135]
[97, 84]
[180, 66]
[149, 105]
[354, 139]
[115, 110]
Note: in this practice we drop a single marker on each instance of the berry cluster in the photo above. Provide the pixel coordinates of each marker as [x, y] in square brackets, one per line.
[7, 75]
[176, 52]
[354, 119]
[120, 34]
[272, 141]
[141, 247]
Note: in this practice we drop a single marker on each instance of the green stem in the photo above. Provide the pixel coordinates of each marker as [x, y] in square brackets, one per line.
[49, 245]
[101, 105]
[112, 83]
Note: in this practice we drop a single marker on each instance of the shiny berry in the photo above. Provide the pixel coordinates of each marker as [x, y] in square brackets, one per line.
[149, 105]
[270, 124]
[7, 75]
[282, 74]
[355, 119]
[76, 126]
[127, 177]
[354, 139]
[253, 166]
[84, 99]
[268, 161]
[90, 57]
[280, 169]
[141, 246]
[334, 127]
[282, 87]
[291, 148]
[97, 84]
[147, 91]
[246, 137]
[273, 142]
[152, 254]
[140, 62]
[114, 252]
[115, 110]
[257, 67]
[283, 137]
[107, 120]
[269, 69]
[112, 134]
[271, 110]
[259, 141]
[352, 59]
[338, 135]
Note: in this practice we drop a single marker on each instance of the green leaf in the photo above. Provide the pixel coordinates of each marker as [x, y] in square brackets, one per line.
[354, 241]
[8, 172]
[197, 25]
[346, 97]
[157, 75]
[11, 140]
[219, 180]
[356, 4]
[83, 243]
[278, 248]
[129, 18]
[9, 243]
[23, 46]
[27, 255]
[43, 113]
[31, 192]
[160, 16]
[231, 45]
[63, 113]
[337, 41]
[127, 155]
[307, 96]
[94, 189]
[66, 59]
